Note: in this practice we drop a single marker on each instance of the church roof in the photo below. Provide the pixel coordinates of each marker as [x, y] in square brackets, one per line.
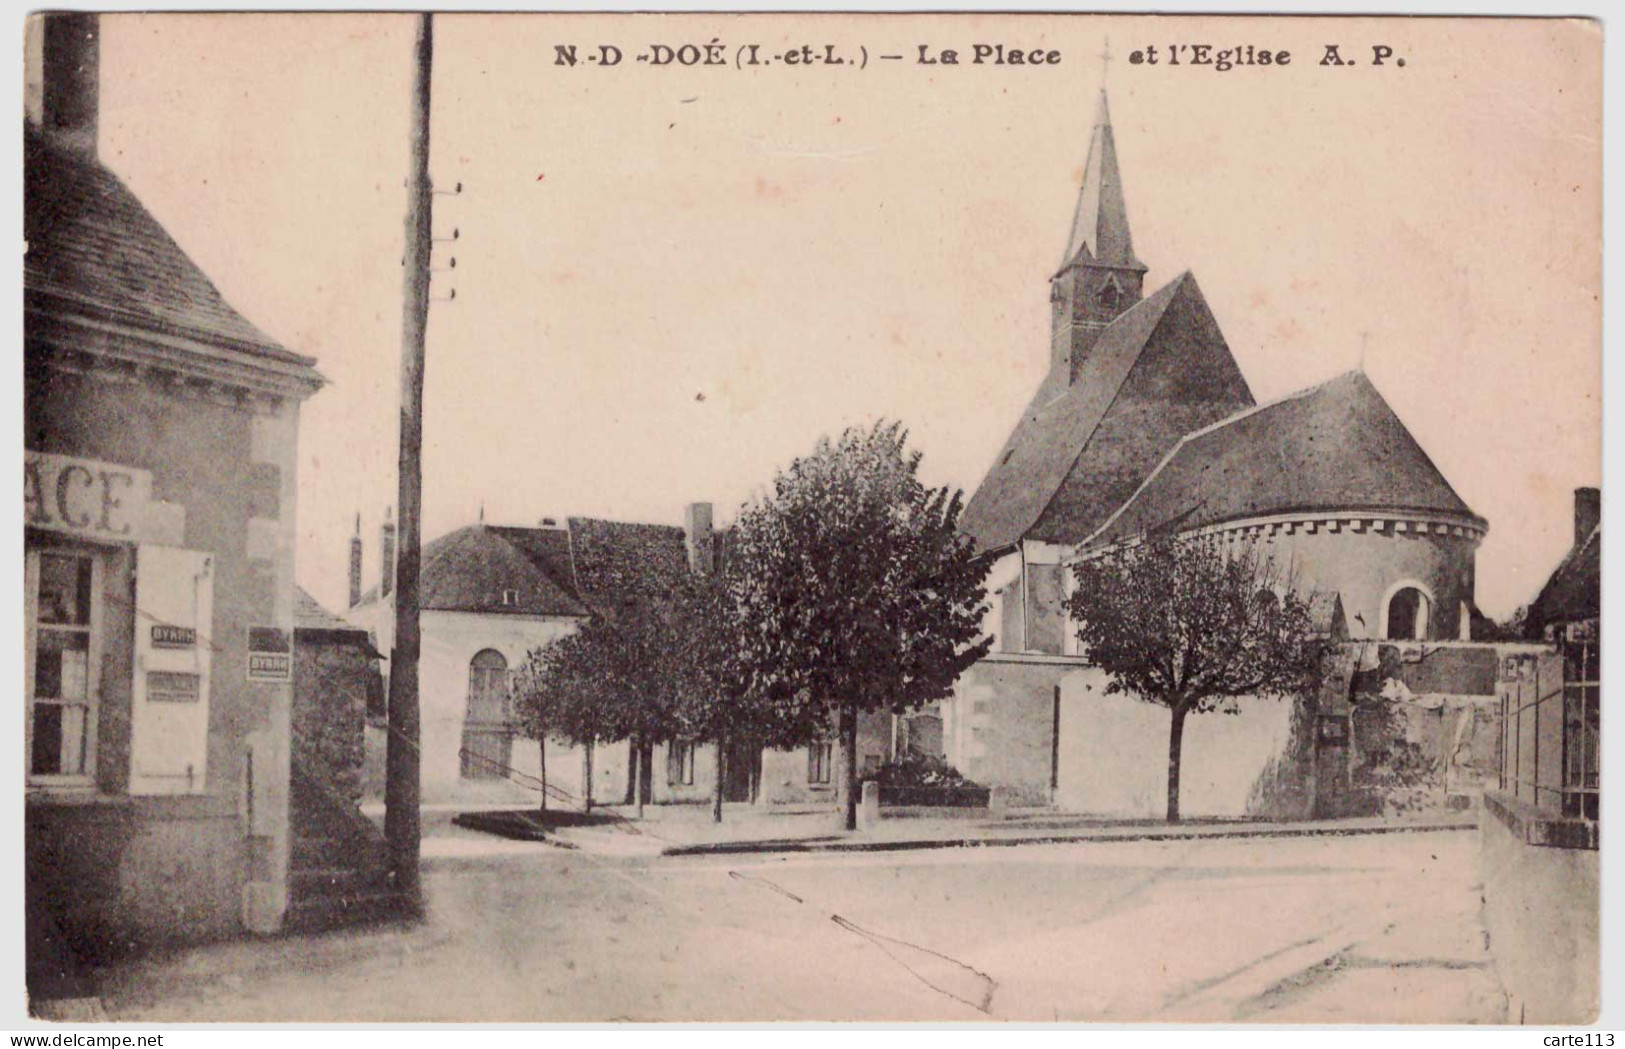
[1100, 230]
[93, 247]
[1334, 447]
[1047, 445]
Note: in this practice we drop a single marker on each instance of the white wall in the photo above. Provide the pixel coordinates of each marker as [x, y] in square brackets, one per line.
[450, 642]
[1114, 753]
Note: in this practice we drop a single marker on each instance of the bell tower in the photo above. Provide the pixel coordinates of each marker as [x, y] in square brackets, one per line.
[1100, 277]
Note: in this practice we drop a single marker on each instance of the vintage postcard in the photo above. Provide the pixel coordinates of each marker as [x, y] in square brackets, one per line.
[799, 517]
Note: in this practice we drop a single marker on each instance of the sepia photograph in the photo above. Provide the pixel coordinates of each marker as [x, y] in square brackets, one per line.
[644, 518]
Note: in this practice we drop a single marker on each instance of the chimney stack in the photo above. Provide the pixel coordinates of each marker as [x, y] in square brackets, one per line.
[355, 564]
[62, 91]
[386, 579]
[697, 537]
[1587, 512]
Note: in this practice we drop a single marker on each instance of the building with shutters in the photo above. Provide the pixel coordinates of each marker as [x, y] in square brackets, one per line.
[160, 434]
[1144, 422]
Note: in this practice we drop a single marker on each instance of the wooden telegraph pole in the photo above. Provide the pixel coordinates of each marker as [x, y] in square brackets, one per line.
[402, 821]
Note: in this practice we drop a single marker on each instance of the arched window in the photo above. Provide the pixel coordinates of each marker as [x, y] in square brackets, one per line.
[487, 731]
[1407, 615]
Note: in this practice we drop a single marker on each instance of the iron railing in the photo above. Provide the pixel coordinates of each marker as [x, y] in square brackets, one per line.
[1550, 725]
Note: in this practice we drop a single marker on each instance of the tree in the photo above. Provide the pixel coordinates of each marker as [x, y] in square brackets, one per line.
[856, 591]
[569, 689]
[722, 699]
[1193, 625]
[538, 703]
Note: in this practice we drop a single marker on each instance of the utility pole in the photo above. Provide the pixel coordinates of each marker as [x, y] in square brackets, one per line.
[402, 819]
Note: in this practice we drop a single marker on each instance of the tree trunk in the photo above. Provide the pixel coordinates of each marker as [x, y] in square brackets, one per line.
[635, 779]
[646, 782]
[632, 751]
[541, 747]
[586, 777]
[1176, 740]
[716, 796]
[849, 771]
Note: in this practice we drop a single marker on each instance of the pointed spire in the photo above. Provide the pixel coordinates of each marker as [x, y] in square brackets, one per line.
[1100, 226]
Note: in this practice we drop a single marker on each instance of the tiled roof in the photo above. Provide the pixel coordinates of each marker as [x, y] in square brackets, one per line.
[1051, 469]
[1334, 447]
[1574, 591]
[93, 247]
[617, 560]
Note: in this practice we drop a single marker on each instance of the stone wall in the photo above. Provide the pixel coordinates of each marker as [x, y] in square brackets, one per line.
[124, 869]
[127, 874]
[1541, 909]
[332, 678]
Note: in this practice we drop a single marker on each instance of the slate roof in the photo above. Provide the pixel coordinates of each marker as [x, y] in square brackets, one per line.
[1046, 445]
[1574, 591]
[468, 571]
[595, 566]
[93, 247]
[1334, 447]
[308, 614]
[1100, 230]
[313, 623]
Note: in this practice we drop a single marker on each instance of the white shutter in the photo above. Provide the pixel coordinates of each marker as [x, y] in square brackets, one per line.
[169, 718]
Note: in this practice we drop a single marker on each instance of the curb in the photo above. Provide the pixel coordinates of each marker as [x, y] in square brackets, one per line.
[734, 848]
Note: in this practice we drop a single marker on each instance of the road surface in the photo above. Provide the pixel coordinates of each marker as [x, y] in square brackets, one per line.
[1363, 929]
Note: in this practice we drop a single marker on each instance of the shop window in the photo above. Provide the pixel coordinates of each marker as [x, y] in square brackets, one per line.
[64, 622]
[820, 759]
[487, 729]
[680, 763]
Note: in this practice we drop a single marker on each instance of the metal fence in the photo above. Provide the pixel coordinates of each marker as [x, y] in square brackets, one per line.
[1550, 725]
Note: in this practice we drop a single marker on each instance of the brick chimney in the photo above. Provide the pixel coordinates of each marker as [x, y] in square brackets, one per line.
[355, 564]
[1587, 512]
[698, 537]
[386, 549]
[63, 78]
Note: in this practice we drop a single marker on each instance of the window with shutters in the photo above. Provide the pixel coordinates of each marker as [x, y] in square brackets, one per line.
[63, 599]
[487, 726]
[174, 644]
[820, 759]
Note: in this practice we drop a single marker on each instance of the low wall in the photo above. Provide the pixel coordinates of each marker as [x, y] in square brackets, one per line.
[999, 725]
[1114, 756]
[1541, 911]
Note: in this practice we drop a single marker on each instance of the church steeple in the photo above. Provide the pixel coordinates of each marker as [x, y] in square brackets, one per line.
[1100, 225]
[1100, 276]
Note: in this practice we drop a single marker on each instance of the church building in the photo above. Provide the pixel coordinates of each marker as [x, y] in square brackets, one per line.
[1144, 421]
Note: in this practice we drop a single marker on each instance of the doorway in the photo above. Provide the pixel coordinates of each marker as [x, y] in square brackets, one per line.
[741, 772]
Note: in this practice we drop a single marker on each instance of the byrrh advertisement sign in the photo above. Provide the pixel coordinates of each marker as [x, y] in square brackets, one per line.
[84, 497]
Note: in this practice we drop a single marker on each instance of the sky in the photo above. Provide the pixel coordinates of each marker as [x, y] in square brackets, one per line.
[671, 281]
